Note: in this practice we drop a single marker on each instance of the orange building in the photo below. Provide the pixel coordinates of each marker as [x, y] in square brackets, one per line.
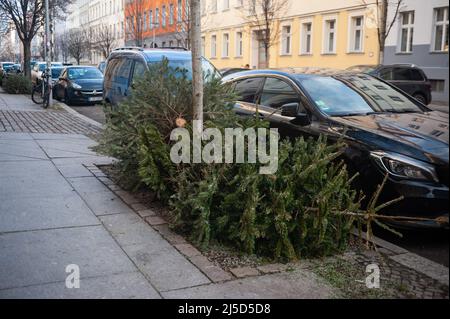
[160, 23]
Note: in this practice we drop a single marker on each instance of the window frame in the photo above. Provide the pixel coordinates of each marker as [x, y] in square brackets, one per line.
[284, 37]
[303, 36]
[326, 35]
[410, 28]
[352, 28]
[436, 23]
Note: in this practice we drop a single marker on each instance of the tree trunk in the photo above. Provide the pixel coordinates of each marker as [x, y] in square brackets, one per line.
[26, 57]
[382, 29]
[197, 72]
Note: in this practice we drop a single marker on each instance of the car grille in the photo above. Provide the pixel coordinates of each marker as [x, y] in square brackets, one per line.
[92, 92]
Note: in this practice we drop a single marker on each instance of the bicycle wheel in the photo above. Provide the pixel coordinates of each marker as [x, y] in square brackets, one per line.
[46, 98]
[36, 94]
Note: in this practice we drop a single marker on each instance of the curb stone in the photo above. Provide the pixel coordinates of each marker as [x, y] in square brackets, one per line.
[215, 273]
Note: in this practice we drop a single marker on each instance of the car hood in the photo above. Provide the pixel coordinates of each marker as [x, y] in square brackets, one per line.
[423, 136]
[89, 84]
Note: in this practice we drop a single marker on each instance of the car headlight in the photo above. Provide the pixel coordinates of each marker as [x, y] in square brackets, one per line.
[76, 86]
[404, 166]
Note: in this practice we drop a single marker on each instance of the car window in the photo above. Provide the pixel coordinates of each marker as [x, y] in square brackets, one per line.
[416, 75]
[355, 94]
[111, 69]
[124, 70]
[139, 70]
[247, 89]
[386, 74]
[277, 93]
[402, 74]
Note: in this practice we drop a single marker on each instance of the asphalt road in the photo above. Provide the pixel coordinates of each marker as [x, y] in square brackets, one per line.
[433, 245]
[94, 112]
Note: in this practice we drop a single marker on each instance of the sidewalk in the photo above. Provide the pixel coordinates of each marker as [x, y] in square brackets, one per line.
[54, 212]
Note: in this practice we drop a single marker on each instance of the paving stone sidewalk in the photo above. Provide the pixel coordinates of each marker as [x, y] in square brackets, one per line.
[54, 212]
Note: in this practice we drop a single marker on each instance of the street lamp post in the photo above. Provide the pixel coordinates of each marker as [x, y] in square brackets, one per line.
[47, 51]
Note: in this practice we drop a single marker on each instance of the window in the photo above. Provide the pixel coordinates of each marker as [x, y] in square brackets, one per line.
[145, 21]
[213, 6]
[356, 34]
[164, 16]
[139, 70]
[225, 45]
[437, 85]
[157, 17]
[171, 14]
[226, 4]
[150, 14]
[239, 44]
[180, 11]
[416, 75]
[286, 44]
[247, 89]
[440, 29]
[306, 32]
[406, 31]
[330, 36]
[386, 74]
[203, 7]
[124, 69]
[277, 93]
[213, 46]
[401, 74]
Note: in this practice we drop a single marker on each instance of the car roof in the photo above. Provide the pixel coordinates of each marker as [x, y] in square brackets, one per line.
[154, 53]
[293, 72]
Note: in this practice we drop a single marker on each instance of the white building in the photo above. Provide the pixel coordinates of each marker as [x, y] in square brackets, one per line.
[420, 36]
[92, 15]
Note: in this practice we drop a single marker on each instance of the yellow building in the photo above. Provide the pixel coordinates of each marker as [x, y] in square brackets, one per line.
[317, 33]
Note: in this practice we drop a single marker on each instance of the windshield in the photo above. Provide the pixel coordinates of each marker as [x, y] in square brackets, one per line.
[56, 72]
[355, 95]
[84, 73]
[209, 70]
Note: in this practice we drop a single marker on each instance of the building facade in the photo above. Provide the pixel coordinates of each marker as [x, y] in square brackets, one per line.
[420, 36]
[161, 23]
[93, 16]
[332, 33]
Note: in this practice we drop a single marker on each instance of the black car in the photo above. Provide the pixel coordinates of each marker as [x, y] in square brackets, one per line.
[79, 84]
[406, 77]
[387, 131]
[229, 71]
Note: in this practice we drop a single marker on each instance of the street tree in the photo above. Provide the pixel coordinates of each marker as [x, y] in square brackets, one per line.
[263, 16]
[197, 72]
[134, 26]
[28, 17]
[385, 21]
[77, 44]
[104, 41]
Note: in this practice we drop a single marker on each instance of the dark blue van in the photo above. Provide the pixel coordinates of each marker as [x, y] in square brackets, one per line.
[126, 64]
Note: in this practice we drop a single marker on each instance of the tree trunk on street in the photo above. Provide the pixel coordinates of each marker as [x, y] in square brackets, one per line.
[197, 73]
[26, 57]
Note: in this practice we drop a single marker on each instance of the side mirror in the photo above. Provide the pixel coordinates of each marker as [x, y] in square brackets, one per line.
[61, 78]
[293, 110]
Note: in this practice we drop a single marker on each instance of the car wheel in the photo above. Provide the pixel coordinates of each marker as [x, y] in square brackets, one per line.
[419, 97]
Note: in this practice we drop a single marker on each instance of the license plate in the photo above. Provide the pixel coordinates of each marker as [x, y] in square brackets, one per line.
[95, 98]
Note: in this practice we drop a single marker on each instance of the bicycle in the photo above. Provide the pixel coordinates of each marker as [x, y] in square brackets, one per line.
[41, 91]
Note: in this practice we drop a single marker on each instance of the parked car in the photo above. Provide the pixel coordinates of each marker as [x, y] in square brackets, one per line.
[38, 68]
[79, 84]
[386, 131]
[4, 65]
[406, 77]
[56, 73]
[124, 65]
[228, 71]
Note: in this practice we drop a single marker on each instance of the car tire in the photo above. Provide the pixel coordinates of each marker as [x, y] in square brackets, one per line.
[421, 98]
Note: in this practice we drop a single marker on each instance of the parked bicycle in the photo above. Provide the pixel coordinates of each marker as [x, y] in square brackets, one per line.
[41, 91]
